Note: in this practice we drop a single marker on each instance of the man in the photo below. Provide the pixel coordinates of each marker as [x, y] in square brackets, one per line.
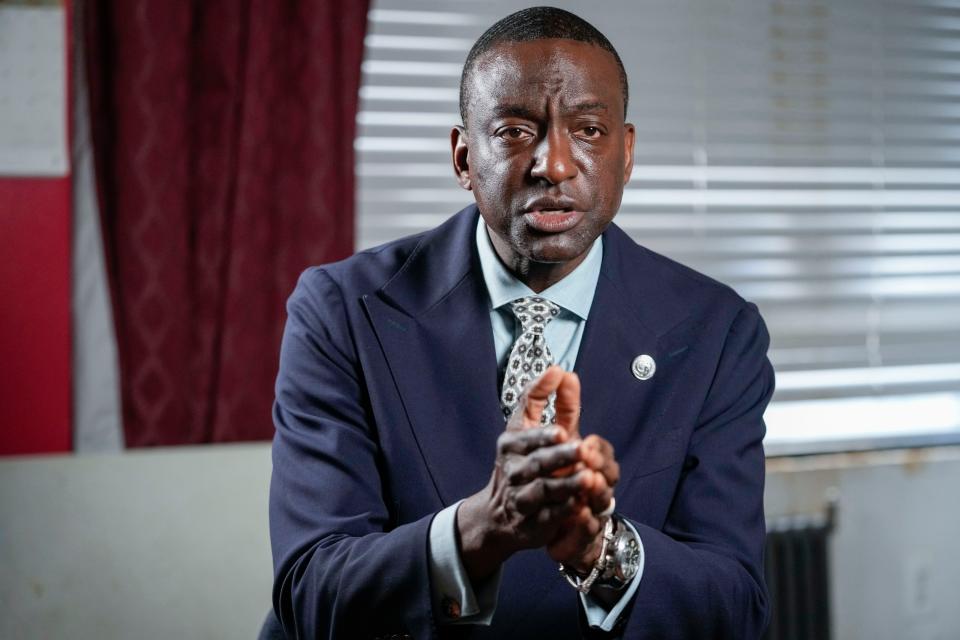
[402, 501]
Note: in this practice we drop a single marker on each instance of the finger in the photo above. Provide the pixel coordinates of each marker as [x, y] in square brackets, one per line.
[598, 454]
[533, 400]
[592, 451]
[534, 495]
[523, 442]
[611, 471]
[568, 403]
[599, 499]
[544, 461]
[596, 493]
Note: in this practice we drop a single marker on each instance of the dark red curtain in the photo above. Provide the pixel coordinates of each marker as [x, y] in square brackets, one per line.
[223, 134]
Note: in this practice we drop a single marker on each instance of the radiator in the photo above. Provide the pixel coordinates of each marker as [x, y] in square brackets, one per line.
[797, 568]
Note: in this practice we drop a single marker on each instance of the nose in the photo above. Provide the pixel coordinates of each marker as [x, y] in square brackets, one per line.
[553, 161]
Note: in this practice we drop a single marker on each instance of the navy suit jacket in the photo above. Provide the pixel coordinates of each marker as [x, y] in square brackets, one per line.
[387, 410]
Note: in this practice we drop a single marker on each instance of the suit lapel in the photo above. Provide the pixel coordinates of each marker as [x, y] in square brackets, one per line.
[438, 342]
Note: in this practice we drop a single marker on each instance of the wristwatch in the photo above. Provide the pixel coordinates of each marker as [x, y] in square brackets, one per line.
[622, 559]
[618, 563]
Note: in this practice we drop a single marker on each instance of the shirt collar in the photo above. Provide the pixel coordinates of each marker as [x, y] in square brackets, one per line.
[574, 293]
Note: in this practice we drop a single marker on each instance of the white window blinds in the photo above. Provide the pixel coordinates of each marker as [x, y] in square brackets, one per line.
[806, 153]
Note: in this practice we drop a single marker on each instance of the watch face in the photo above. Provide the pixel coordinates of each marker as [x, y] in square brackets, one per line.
[629, 558]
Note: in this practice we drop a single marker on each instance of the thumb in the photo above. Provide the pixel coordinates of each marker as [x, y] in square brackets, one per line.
[534, 399]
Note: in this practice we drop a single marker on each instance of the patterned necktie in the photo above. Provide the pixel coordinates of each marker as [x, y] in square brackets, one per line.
[529, 356]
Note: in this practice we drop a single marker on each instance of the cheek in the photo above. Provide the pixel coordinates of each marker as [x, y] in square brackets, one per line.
[607, 181]
[493, 181]
[612, 191]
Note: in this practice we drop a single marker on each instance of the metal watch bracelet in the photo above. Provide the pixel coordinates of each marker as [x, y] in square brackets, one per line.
[583, 585]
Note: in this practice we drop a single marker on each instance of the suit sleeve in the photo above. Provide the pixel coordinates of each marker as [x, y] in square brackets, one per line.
[340, 569]
[703, 573]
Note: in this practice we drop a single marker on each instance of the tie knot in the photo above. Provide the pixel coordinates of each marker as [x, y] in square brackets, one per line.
[534, 313]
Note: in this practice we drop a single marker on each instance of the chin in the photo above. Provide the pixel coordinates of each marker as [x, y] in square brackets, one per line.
[557, 249]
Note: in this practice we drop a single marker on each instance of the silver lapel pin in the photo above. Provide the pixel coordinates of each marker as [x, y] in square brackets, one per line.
[643, 367]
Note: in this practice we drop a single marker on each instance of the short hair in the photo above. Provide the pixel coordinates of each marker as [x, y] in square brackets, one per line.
[537, 23]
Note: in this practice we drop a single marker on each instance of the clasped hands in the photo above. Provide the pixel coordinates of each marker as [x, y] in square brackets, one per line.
[548, 486]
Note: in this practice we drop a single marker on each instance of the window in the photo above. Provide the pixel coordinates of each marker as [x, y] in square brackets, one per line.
[806, 153]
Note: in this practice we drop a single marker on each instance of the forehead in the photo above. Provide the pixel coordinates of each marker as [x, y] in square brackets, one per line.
[536, 72]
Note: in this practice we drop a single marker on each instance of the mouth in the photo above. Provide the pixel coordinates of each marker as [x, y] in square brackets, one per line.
[548, 215]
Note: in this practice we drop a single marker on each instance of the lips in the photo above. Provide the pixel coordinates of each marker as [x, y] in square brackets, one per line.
[552, 215]
[552, 220]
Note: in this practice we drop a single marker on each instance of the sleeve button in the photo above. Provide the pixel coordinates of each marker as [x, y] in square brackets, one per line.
[451, 608]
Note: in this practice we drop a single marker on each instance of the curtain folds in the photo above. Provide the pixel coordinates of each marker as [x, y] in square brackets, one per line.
[223, 136]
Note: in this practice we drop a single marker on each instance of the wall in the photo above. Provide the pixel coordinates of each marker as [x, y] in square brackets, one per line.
[896, 568]
[155, 544]
[174, 543]
[35, 315]
[34, 229]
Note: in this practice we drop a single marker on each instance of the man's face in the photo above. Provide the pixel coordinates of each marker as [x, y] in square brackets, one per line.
[546, 151]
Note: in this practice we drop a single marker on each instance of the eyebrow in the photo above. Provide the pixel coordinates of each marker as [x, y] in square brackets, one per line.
[520, 111]
[514, 111]
[590, 106]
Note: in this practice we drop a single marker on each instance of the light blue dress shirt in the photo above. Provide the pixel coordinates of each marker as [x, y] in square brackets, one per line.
[574, 296]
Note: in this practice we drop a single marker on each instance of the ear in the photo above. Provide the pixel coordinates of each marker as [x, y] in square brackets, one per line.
[461, 156]
[629, 134]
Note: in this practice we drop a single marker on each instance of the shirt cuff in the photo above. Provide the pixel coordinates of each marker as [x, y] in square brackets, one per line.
[597, 615]
[454, 597]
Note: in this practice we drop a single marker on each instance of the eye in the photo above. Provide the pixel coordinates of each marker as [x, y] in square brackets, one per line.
[591, 132]
[513, 134]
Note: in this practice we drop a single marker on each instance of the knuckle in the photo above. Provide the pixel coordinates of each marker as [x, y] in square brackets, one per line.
[579, 479]
[535, 457]
[537, 488]
[545, 437]
[534, 465]
[550, 489]
[562, 456]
